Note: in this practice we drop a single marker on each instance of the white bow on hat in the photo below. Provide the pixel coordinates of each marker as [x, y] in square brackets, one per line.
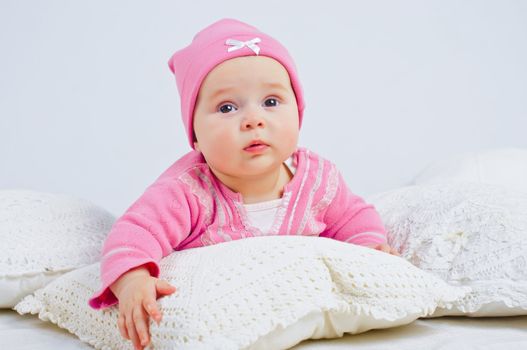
[237, 44]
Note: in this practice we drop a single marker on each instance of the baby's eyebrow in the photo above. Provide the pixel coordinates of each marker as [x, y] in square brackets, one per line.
[222, 91]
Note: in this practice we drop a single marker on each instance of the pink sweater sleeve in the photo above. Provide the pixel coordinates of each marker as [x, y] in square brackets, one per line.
[149, 230]
[350, 219]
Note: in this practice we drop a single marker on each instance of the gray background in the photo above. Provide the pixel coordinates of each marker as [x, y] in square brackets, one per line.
[89, 107]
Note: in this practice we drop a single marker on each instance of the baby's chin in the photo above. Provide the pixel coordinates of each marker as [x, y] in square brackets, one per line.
[252, 169]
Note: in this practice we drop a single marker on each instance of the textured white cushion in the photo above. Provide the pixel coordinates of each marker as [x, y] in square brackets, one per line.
[468, 234]
[505, 167]
[264, 293]
[43, 236]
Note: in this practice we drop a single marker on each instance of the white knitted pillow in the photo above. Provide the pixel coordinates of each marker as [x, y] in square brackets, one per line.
[43, 236]
[468, 234]
[260, 293]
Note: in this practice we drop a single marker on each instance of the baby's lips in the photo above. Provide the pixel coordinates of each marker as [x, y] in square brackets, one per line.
[255, 142]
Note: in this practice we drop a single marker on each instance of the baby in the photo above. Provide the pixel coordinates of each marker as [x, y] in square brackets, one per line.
[242, 107]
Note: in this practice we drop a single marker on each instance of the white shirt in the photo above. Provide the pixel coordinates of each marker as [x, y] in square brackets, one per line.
[262, 214]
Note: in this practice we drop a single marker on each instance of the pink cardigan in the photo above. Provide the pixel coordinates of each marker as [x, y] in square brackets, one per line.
[187, 207]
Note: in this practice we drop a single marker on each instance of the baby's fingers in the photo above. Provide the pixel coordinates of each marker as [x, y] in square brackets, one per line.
[141, 326]
[395, 252]
[384, 248]
[130, 327]
[164, 288]
[122, 326]
[151, 308]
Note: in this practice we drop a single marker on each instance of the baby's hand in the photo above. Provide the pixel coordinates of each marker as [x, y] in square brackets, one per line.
[137, 292]
[384, 248]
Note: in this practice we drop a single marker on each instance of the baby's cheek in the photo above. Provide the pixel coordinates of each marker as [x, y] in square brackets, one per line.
[222, 147]
[215, 136]
[289, 136]
[227, 141]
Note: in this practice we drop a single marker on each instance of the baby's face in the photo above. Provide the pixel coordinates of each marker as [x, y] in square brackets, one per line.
[241, 101]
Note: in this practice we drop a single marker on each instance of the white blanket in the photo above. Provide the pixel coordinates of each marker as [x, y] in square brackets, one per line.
[28, 332]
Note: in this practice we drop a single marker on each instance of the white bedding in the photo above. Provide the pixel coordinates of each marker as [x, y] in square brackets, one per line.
[28, 332]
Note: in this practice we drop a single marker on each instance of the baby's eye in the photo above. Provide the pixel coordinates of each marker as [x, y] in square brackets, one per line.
[271, 102]
[226, 108]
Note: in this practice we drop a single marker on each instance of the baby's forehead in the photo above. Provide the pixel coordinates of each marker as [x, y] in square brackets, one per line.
[237, 86]
[252, 66]
[249, 71]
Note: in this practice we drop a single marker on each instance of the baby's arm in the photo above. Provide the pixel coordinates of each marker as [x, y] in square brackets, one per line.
[149, 230]
[350, 219]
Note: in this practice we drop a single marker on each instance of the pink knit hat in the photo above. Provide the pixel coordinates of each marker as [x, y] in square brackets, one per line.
[223, 40]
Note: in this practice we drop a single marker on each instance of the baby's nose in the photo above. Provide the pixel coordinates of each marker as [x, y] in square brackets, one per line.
[253, 120]
[251, 124]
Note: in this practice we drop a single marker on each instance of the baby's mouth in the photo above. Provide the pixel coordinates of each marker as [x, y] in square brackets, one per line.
[256, 146]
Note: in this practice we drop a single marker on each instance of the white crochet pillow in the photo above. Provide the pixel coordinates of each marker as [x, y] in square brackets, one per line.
[260, 293]
[43, 236]
[468, 234]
